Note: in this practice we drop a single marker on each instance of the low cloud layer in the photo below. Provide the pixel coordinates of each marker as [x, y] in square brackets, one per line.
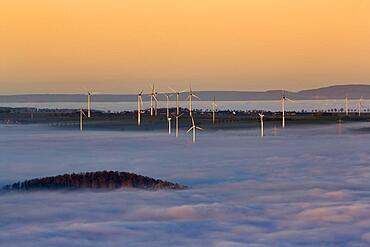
[305, 186]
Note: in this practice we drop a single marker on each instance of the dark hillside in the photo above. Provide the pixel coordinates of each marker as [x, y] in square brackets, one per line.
[106, 180]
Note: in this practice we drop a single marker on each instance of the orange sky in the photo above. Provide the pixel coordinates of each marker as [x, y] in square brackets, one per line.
[121, 46]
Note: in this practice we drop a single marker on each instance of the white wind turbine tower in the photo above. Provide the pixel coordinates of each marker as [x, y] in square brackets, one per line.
[190, 98]
[82, 114]
[262, 124]
[153, 97]
[214, 105]
[167, 105]
[168, 113]
[359, 107]
[169, 125]
[283, 102]
[89, 104]
[156, 104]
[177, 109]
[193, 128]
[346, 102]
[89, 96]
[139, 105]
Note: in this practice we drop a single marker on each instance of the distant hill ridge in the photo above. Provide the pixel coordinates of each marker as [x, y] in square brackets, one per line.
[354, 91]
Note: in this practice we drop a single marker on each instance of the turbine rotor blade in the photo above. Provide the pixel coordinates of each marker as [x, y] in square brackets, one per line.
[191, 128]
[155, 98]
[290, 100]
[195, 96]
[173, 90]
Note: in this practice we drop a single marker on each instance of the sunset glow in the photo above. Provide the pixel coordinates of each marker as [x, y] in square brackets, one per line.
[115, 46]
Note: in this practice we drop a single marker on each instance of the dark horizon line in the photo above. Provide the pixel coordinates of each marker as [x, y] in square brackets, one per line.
[199, 91]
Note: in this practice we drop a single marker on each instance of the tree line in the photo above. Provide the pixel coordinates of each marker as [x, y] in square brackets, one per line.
[109, 180]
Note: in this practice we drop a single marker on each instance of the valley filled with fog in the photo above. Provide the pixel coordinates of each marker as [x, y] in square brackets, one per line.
[298, 186]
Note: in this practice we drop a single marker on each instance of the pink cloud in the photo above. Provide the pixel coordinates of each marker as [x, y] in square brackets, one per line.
[340, 214]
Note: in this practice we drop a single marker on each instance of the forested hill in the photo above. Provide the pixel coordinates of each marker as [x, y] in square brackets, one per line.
[103, 180]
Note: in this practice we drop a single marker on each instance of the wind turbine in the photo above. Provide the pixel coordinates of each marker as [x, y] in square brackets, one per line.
[190, 98]
[169, 125]
[82, 114]
[262, 124]
[359, 107]
[167, 105]
[156, 104]
[139, 105]
[214, 105]
[89, 104]
[168, 113]
[193, 128]
[177, 109]
[283, 102]
[153, 97]
[89, 96]
[283, 99]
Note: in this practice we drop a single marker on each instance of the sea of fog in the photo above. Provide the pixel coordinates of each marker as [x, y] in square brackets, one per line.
[301, 186]
[273, 105]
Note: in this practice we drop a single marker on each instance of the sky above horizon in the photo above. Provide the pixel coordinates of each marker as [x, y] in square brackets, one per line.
[115, 46]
